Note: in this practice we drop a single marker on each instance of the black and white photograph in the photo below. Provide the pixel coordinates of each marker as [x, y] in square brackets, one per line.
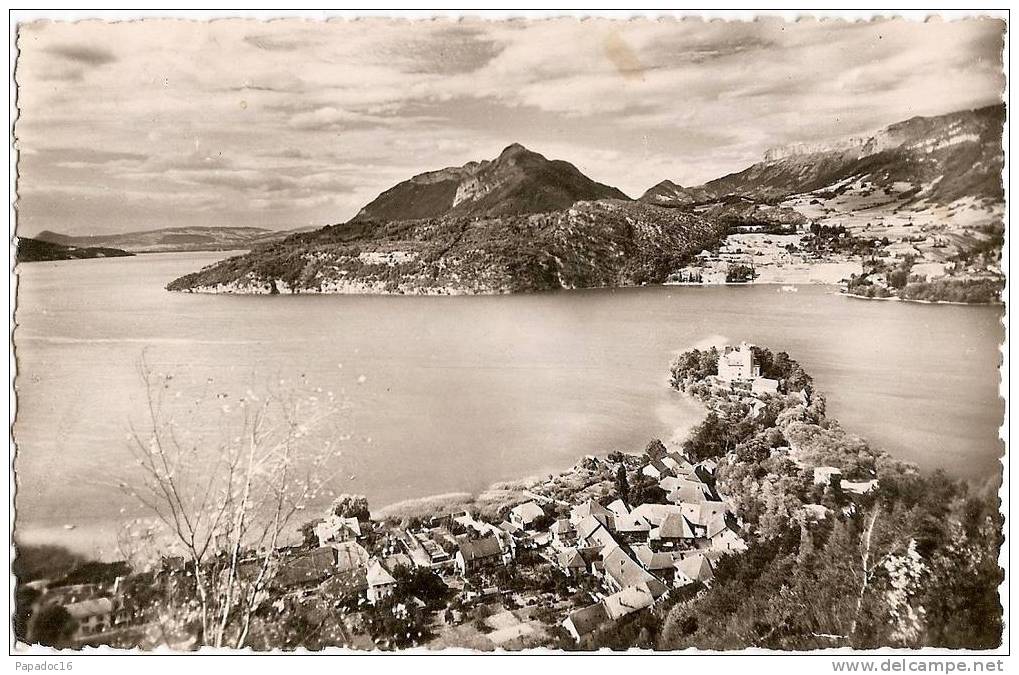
[473, 333]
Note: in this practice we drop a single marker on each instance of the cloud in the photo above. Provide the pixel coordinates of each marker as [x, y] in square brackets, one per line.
[228, 122]
[83, 54]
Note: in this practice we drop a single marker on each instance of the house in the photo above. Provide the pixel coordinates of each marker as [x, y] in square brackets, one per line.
[391, 562]
[571, 562]
[690, 492]
[588, 508]
[621, 571]
[563, 533]
[309, 567]
[738, 363]
[662, 564]
[724, 538]
[524, 515]
[592, 533]
[764, 385]
[426, 551]
[675, 530]
[678, 464]
[348, 555]
[480, 553]
[349, 586]
[631, 599]
[632, 528]
[337, 529]
[827, 475]
[657, 469]
[696, 568]
[381, 583]
[618, 508]
[859, 487]
[586, 621]
[93, 616]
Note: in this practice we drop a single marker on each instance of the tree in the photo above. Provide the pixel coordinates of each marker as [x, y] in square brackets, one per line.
[622, 484]
[52, 626]
[224, 479]
[351, 506]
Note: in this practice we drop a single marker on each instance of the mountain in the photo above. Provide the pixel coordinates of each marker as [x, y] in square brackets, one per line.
[609, 242]
[943, 158]
[518, 181]
[931, 182]
[35, 250]
[173, 239]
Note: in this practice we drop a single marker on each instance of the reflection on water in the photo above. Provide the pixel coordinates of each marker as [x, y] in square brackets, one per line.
[460, 392]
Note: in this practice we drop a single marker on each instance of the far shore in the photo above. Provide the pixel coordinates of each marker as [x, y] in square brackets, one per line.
[925, 302]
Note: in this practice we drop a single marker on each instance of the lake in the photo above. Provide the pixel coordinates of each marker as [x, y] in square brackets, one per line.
[454, 393]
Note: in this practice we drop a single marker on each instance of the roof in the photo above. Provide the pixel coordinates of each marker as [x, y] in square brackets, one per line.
[598, 536]
[527, 511]
[591, 524]
[480, 549]
[675, 526]
[397, 560]
[310, 566]
[632, 523]
[88, 608]
[618, 508]
[697, 568]
[377, 574]
[588, 508]
[588, 619]
[628, 600]
[687, 493]
[345, 583]
[656, 513]
[349, 554]
[561, 526]
[333, 525]
[624, 570]
[570, 558]
[653, 560]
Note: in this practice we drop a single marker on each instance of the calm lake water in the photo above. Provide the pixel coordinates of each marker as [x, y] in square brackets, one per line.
[456, 393]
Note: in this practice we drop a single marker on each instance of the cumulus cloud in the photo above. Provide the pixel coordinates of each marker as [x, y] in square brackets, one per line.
[293, 123]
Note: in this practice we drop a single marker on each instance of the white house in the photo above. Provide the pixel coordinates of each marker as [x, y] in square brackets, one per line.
[827, 475]
[524, 515]
[738, 363]
[381, 583]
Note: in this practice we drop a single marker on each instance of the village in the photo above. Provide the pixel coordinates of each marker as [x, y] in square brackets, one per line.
[559, 563]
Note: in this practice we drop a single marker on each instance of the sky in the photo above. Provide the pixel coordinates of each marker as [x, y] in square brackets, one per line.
[295, 123]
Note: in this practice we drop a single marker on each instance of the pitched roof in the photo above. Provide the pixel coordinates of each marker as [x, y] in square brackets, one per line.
[344, 583]
[310, 566]
[561, 526]
[675, 526]
[618, 508]
[588, 508]
[697, 568]
[632, 522]
[656, 513]
[377, 575]
[349, 555]
[592, 523]
[570, 558]
[628, 600]
[624, 570]
[654, 560]
[527, 511]
[333, 526]
[587, 620]
[480, 548]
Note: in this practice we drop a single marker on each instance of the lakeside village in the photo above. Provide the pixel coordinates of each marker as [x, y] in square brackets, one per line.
[918, 267]
[561, 562]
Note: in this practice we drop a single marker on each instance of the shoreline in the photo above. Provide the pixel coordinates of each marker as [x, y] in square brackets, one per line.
[896, 298]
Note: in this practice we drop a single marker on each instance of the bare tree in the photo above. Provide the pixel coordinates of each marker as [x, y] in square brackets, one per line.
[227, 486]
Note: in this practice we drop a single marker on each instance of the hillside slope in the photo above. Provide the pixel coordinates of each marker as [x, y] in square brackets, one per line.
[518, 181]
[190, 238]
[34, 250]
[592, 244]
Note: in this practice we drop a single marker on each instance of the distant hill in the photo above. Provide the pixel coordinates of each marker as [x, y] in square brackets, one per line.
[942, 158]
[610, 242]
[174, 239]
[35, 250]
[518, 181]
[930, 181]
